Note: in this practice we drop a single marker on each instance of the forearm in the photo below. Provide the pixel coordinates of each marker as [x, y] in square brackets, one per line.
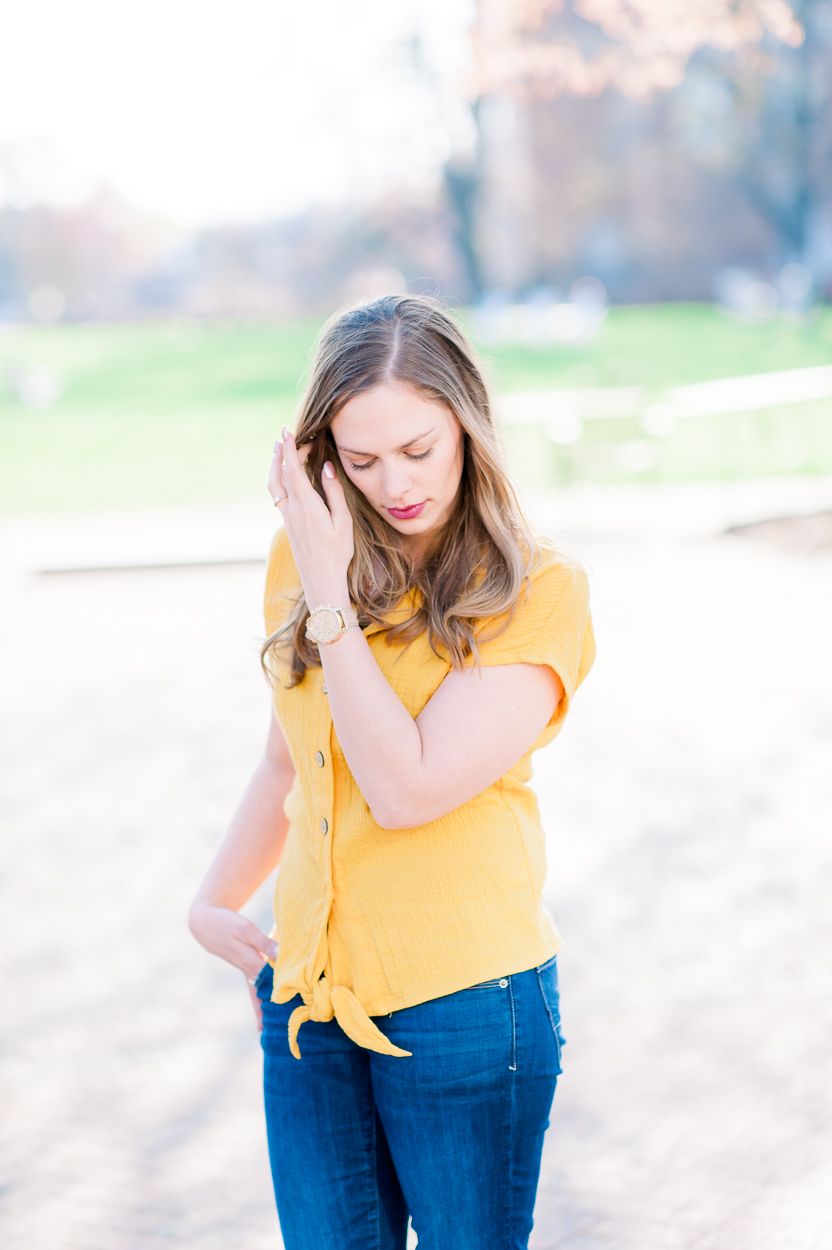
[380, 739]
[474, 728]
[249, 851]
[252, 846]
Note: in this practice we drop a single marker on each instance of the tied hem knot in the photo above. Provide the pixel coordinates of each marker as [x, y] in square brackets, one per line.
[327, 1001]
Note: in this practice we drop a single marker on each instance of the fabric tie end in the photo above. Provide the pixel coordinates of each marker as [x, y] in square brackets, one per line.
[298, 1017]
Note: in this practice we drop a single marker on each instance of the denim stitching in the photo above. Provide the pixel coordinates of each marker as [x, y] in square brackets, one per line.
[375, 1171]
[513, 1067]
[512, 1188]
[549, 1012]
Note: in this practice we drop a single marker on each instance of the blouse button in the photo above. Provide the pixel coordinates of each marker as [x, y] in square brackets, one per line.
[319, 758]
[324, 826]
[504, 984]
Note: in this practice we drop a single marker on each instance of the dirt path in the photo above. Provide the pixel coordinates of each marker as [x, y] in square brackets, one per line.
[689, 807]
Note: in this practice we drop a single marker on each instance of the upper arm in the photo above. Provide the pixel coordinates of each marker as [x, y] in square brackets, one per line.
[476, 727]
[482, 721]
[277, 750]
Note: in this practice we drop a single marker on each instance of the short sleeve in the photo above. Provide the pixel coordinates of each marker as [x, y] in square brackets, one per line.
[282, 583]
[553, 627]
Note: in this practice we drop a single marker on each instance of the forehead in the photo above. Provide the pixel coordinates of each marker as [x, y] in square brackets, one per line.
[388, 417]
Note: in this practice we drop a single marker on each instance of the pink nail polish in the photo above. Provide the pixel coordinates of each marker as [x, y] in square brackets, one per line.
[328, 470]
[277, 444]
[285, 434]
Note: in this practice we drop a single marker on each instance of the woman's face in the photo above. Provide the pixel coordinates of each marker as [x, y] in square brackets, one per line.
[404, 452]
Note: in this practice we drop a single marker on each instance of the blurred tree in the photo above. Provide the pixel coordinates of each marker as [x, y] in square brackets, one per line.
[544, 47]
[731, 102]
[784, 103]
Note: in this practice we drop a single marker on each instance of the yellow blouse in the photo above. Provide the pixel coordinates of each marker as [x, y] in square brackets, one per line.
[372, 920]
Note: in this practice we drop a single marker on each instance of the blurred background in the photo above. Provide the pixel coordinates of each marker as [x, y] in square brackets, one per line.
[628, 204]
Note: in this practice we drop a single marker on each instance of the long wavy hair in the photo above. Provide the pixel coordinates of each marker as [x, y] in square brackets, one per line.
[477, 568]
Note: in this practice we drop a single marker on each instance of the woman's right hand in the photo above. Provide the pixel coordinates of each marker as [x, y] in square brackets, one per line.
[235, 939]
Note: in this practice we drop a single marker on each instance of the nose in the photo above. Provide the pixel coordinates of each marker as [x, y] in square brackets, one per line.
[395, 483]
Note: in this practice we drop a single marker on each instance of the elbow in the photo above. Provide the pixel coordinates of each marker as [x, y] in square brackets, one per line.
[194, 926]
[386, 816]
[400, 813]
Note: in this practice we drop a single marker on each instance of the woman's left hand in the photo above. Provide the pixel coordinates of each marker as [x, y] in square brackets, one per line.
[321, 536]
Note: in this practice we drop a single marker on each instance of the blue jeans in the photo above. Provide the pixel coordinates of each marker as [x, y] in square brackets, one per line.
[451, 1136]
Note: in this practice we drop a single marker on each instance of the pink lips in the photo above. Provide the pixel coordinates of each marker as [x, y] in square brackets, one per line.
[407, 514]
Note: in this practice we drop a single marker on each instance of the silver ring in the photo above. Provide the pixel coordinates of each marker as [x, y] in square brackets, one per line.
[279, 499]
[252, 980]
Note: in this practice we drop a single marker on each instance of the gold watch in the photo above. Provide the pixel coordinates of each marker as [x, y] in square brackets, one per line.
[326, 624]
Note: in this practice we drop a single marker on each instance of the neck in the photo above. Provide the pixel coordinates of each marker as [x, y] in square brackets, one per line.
[417, 546]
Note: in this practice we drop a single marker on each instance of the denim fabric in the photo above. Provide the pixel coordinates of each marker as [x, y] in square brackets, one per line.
[452, 1136]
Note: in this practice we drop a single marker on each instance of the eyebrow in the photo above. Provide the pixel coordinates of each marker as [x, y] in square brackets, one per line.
[403, 447]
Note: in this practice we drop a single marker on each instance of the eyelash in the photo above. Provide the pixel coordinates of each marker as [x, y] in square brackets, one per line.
[422, 456]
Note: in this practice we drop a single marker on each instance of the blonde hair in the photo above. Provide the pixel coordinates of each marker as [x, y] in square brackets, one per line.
[479, 566]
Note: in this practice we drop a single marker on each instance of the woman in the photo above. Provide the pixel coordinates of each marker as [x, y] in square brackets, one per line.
[421, 645]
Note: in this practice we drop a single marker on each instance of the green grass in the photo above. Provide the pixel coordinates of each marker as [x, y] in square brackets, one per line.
[149, 414]
[662, 345]
[167, 413]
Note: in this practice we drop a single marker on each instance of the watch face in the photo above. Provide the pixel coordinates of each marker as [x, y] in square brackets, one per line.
[323, 625]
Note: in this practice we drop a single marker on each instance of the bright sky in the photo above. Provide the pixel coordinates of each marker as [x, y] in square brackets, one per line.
[215, 109]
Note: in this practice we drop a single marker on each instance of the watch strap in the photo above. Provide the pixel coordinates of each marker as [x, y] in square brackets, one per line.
[349, 616]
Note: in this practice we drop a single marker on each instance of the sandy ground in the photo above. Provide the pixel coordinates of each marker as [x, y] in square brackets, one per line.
[688, 804]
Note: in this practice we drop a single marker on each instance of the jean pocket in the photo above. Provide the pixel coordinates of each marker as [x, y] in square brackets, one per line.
[265, 977]
[547, 979]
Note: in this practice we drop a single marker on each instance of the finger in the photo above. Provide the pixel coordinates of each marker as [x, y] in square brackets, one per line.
[257, 1005]
[294, 478]
[253, 950]
[259, 942]
[250, 962]
[335, 497]
[275, 483]
[247, 959]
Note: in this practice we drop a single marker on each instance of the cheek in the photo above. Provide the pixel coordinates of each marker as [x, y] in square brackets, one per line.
[455, 463]
[365, 483]
[442, 475]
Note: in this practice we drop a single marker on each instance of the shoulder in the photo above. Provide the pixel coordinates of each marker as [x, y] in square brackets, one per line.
[557, 583]
[282, 581]
[550, 624]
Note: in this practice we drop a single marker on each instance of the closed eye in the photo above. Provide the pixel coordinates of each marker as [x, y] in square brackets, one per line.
[423, 455]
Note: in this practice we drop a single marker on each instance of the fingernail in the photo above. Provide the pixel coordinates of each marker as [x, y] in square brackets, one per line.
[328, 470]
[277, 444]
[285, 433]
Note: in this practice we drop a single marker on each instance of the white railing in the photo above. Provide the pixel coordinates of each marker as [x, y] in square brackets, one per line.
[755, 392]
